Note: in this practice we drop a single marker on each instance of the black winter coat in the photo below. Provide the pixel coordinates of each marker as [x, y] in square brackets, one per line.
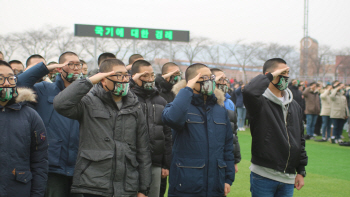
[297, 94]
[232, 115]
[160, 135]
[276, 144]
[164, 88]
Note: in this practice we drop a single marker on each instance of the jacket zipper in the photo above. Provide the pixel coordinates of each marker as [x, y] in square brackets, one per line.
[154, 114]
[288, 143]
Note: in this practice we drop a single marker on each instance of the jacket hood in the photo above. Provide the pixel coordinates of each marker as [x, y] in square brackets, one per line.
[218, 93]
[287, 94]
[288, 98]
[25, 95]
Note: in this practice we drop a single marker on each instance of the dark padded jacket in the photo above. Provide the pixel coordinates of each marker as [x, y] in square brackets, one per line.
[23, 148]
[113, 157]
[276, 144]
[236, 147]
[164, 88]
[160, 135]
[62, 132]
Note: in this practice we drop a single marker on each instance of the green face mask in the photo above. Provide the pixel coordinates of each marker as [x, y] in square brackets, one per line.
[223, 87]
[121, 89]
[147, 85]
[282, 83]
[7, 94]
[207, 87]
[53, 76]
[174, 79]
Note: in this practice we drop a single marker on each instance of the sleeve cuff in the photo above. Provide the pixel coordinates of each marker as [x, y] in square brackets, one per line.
[228, 181]
[300, 169]
[269, 76]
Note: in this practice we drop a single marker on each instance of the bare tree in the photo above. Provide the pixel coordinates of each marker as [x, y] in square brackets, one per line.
[63, 40]
[121, 47]
[244, 54]
[194, 47]
[322, 61]
[8, 46]
[36, 42]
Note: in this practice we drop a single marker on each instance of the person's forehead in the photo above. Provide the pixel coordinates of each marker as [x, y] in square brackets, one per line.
[17, 65]
[204, 71]
[281, 66]
[172, 68]
[71, 58]
[5, 71]
[121, 69]
[36, 60]
[146, 68]
[85, 66]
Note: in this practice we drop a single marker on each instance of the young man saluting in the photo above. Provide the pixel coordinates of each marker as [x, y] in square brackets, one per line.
[203, 161]
[278, 145]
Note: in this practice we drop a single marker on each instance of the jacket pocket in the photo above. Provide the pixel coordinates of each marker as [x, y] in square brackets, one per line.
[96, 168]
[221, 176]
[23, 176]
[190, 175]
[131, 182]
[220, 129]
[54, 152]
[98, 113]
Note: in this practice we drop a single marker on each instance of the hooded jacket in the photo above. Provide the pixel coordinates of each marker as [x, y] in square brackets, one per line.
[62, 132]
[160, 135]
[23, 148]
[339, 105]
[277, 129]
[113, 157]
[203, 159]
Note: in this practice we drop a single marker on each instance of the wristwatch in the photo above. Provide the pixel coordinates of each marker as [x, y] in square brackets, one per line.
[302, 173]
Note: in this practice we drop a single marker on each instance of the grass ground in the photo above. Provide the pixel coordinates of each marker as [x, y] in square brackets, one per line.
[328, 170]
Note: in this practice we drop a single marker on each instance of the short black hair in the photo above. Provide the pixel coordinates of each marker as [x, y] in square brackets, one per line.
[104, 56]
[16, 62]
[134, 57]
[191, 71]
[61, 59]
[108, 64]
[139, 63]
[4, 63]
[271, 64]
[33, 56]
[312, 83]
[167, 65]
[215, 70]
[53, 62]
[83, 62]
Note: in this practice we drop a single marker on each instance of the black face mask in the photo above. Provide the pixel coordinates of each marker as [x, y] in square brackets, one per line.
[70, 77]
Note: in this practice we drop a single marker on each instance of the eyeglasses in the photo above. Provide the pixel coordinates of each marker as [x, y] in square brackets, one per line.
[206, 78]
[121, 77]
[12, 80]
[223, 80]
[149, 76]
[72, 66]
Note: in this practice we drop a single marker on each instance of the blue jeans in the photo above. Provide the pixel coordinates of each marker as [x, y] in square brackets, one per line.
[241, 112]
[310, 124]
[338, 125]
[264, 187]
[326, 126]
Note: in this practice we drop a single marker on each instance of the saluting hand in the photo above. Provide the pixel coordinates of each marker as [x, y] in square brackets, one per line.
[169, 74]
[217, 78]
[53, 66]
[99, 76]
[279, 71]
[191, 83]
[138, 75]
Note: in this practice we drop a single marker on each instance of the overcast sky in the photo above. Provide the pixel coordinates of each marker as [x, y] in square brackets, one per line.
[278, 21]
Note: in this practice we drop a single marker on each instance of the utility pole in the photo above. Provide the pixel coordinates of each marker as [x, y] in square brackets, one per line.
[306, 37]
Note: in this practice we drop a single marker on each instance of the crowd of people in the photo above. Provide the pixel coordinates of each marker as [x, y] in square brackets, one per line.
[121, 130]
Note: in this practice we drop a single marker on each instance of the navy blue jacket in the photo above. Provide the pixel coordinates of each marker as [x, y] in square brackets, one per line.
[23, 149]
[62, 132]
[239, 97]
[203, 159]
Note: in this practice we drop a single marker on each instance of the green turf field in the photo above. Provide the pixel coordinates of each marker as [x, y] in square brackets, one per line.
[328, 170]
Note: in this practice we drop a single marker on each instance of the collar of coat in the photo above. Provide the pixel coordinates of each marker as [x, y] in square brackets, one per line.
[218, 94]
[24, 96]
